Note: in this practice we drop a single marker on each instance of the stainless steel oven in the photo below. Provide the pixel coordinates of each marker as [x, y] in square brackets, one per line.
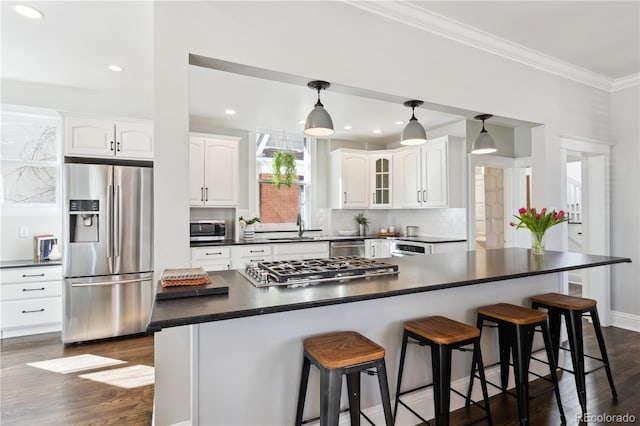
[410, 248]
[207, 230]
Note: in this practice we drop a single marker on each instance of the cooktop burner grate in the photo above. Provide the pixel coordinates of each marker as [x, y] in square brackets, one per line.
[315, 270]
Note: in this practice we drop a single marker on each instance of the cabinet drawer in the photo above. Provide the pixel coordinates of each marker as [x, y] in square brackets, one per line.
[21, 313]
[210, 253]
[30, 290]
[221, 265]
[258, 250]
[319, 248]
[29, 275]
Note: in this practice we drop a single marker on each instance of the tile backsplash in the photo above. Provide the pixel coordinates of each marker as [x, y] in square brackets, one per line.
[432, 222]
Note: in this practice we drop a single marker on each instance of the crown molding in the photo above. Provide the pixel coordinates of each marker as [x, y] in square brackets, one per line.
[625, 82]
[409, 14]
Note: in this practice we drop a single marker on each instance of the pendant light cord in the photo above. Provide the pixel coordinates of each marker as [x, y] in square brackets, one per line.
[319, 103]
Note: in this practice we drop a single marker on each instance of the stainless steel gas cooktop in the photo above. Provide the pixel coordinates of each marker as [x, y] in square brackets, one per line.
[294, 273]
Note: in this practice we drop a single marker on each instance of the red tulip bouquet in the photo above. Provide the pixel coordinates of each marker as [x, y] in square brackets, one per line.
[538, 223]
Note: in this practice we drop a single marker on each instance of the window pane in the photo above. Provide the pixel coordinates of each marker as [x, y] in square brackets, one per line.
[281, 205]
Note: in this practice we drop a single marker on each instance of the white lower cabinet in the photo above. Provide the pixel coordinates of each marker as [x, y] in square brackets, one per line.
[31, 300]
[241, 255]
[377, 249]
[214, 258]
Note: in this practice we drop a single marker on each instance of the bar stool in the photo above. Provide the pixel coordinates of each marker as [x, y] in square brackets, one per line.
[441, 335]
[573, 309]
[516, 325]
[337, 354]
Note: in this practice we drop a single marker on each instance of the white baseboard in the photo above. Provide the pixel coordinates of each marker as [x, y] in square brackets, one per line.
[422, 401]
[626, 321]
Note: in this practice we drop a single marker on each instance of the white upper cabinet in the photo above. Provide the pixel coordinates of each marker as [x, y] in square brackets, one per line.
[430, 175]
[350, 179]
[213, 170]
[381, 181]
[108, 138]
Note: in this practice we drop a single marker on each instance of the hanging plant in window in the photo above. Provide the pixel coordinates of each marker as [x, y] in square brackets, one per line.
[284, 166]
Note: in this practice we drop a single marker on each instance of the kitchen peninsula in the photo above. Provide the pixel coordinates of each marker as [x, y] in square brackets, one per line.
[246, 347]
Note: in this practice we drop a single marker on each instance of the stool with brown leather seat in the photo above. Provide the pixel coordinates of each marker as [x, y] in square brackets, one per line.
[516, 325]
[337, 354]
[573, 309]
[442, 335]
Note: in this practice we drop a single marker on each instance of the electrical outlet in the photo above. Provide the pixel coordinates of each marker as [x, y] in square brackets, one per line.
[24, 231]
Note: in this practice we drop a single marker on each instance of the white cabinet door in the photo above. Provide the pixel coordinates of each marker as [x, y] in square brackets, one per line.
[376, 249]
[89, 137]
[134, 140]
[381, 181]
[214, 258]
[408, 178]
[434, 184]
[355, 180]
[220, 172]
[196, 171]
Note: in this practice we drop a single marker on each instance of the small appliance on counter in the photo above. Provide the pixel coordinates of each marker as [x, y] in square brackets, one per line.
[207, 230]
[412, 231]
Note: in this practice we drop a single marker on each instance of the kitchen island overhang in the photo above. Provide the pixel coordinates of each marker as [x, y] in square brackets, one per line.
[417, 274]
[216, 356]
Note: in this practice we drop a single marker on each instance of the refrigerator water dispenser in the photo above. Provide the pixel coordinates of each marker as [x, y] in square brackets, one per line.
[83, 221]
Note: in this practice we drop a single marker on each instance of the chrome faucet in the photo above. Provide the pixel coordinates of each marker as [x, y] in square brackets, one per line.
[300, 226]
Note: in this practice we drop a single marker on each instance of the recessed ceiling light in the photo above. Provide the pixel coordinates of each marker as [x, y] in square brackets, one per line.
[115, 68]
[400, 122]
[229, 112]
[377, 131]
[348, 127]
[302, 121]
[29, 11]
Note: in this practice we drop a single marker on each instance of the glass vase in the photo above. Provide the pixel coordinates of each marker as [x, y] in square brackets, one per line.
[537, 242]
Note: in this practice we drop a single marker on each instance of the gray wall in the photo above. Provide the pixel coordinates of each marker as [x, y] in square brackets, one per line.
[625, 200]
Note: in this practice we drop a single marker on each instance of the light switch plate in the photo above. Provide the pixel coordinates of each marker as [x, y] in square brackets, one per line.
[24, 231]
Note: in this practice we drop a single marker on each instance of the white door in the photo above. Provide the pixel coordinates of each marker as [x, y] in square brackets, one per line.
[407, 183]
[355, 179]
[434, 187]
[134, 140]
[89, 138]
[220, 172]
[196, 171]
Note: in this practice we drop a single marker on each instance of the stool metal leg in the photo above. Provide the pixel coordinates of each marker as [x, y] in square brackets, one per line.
[603, 349]
[302, 393]
[441, 370]
[472, 375]
[552, 368]
[555, 322]
[384, 391]
[574, 331]
[353, 388]
[331, 384]
[504, 344]
[477, 358]
[521, 357]
[403, 353]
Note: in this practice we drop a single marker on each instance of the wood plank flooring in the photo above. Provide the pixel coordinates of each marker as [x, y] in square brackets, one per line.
[31, 396]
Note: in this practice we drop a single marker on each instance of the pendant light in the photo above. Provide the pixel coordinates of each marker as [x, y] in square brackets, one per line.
[319, 121]
[413, 133]
[484, 143]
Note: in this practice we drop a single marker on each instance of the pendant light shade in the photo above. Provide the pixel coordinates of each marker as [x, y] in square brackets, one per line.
[484, 143]
[413, 133]
[319, 121]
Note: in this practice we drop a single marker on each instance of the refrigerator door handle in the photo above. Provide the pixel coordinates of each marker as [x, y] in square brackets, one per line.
[109, 221]
[107, 283]
[116, 222]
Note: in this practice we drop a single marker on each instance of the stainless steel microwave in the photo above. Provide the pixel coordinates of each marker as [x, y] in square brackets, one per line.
[207, 230]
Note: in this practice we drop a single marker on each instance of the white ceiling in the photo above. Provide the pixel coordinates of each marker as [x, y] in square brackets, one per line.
[600, 36]
[76, 41]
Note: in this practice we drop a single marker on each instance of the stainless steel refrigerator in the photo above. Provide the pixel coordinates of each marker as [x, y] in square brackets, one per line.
[108, 262]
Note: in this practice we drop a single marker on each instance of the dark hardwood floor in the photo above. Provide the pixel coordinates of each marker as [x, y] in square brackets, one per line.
[32, 396]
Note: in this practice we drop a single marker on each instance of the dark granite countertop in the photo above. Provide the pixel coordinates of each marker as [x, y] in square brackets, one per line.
[277, 240]
[27, 263]
[417, 274]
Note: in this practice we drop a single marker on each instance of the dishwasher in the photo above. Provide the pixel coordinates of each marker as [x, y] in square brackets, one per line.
[347, 248]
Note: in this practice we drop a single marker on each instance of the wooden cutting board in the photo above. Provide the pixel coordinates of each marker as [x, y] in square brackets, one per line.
[217, 286]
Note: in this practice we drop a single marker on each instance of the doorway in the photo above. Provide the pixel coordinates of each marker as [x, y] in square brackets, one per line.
[574, 213]
[489, 207]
